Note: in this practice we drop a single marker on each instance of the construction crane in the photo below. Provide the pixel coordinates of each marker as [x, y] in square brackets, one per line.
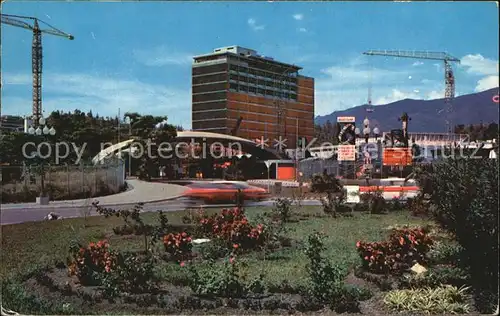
[36, 54]
[449, 78]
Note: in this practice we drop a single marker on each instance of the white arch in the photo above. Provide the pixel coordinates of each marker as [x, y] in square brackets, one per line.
[110, 150]
[180, 135]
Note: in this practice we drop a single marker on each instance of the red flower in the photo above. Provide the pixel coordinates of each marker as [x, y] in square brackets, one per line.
[235, 246]
[183, 264]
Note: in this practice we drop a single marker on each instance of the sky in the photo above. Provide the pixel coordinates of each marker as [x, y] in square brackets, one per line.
[136, 56]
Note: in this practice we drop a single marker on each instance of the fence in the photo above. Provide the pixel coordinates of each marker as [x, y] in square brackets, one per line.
[311, 166]
[22, 183]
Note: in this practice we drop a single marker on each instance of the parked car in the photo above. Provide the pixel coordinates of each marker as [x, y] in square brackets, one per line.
[224, 191]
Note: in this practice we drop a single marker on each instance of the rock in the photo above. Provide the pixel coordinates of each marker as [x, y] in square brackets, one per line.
[52, 216]
[418, 269]
[200, 240]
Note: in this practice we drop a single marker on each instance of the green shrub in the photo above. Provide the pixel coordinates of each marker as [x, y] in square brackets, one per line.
[464, 194]
[374, 202]
[324, 277]
[15, 297]
[445, 253]
[223, 280]
[334, 204]
[326, 280]
[321, 183]
[445, 299]
[283, 209]
[214, 249]
[441, 275]
[132, 273]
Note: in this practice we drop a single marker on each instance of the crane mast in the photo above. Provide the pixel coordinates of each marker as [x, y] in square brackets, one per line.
[449, 78]
[36, 53]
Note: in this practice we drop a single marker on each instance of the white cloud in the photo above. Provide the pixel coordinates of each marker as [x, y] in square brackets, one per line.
[103, 95]
[478, 65]
[487, 83]
[396, 95]
[162, 56]
[436, 95]
[298, 16]
[417, 63]
[303, 29]
[253, 24]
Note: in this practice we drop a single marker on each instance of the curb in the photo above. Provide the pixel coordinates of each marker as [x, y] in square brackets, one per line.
[37, 206]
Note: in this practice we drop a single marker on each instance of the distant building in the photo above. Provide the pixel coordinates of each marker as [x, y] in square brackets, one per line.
[11, 123]
[270, 97]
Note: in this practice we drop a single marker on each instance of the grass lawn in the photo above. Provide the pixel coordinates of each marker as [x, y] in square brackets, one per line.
[37, 244]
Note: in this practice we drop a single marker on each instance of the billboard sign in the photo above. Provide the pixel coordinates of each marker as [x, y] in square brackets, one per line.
[346, 130]
[346, 153]
[397, 157]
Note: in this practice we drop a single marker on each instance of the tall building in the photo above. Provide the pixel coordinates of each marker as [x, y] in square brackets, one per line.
[271, 98]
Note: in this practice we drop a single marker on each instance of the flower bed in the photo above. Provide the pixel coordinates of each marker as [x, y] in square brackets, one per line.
[403, 248]
[233, 227]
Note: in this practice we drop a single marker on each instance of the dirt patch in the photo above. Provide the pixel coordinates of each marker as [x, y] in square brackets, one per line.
[55, 286]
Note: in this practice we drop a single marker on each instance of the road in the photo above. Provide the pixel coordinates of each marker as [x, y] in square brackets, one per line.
[21, 215]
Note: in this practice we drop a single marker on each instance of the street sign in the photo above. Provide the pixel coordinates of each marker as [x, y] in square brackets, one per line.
[268, 163]
[346, 119]
[346, 153]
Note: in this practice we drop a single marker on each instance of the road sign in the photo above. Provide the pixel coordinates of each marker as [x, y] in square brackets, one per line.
[346, 119]
[346, 153]
[268, 163]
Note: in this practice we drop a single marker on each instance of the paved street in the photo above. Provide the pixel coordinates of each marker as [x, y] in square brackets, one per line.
[140, 191]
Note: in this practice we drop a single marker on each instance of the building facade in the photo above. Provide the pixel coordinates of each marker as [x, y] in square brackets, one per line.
[12, 123]
[269, 98]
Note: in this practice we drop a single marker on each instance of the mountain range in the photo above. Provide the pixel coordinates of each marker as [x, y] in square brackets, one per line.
[426, 115]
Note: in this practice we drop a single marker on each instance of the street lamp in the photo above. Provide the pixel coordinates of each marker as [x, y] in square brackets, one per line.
[45, 131]
[376, 132]
[366, 129]
[128, 121]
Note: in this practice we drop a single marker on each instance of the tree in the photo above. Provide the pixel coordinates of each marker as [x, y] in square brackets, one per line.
[152, 140]
[464, 194]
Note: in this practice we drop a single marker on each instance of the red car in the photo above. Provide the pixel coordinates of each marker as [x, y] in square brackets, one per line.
[224, 191]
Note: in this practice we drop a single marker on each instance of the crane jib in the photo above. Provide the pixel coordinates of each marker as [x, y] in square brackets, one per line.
[36, 56]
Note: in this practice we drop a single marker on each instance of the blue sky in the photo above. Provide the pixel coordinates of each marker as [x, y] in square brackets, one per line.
[136, 56]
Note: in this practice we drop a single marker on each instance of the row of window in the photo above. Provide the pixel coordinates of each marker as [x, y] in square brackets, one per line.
[267, 82]
[261, 74]
[210, 78]
[265, 87]
[222, 95]
[216, 91]
[208, 115]
[210, 124]
[288, 95]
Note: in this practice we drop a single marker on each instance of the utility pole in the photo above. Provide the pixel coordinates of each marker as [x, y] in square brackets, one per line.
[118, 127]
